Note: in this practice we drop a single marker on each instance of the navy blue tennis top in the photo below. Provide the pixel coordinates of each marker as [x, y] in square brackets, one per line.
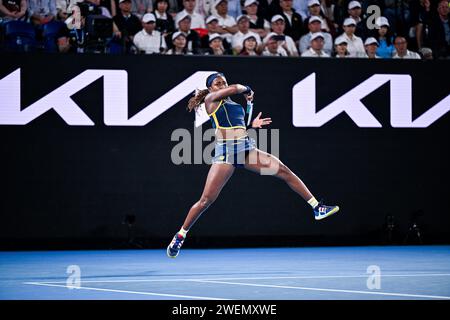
[228, 115]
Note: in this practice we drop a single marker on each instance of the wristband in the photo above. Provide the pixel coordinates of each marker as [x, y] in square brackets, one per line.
[247, 90]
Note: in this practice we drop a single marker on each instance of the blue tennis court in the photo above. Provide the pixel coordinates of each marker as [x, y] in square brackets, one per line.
[313, 273]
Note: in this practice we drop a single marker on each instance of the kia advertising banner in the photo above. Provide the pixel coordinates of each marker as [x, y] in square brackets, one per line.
[92, 144]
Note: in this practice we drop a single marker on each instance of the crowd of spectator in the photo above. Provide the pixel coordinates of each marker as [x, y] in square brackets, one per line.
[398, 29]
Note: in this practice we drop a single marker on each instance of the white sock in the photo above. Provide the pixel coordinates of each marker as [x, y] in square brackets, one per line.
[183, 232]
[313, 202]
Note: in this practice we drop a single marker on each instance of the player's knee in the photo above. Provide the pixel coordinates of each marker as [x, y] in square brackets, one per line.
[206, 201]
[283, 171]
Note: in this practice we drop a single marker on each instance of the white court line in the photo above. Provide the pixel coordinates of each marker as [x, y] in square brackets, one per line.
[126, 291]
[327, 290]
[260, 278]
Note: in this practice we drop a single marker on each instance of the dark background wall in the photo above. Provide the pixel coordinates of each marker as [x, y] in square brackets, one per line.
[72, 185]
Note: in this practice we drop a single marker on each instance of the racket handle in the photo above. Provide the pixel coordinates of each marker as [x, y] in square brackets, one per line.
[249, 112]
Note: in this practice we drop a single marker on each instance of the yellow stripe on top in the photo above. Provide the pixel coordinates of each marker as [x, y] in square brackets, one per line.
[215, 120]
[228, 119]
[228, 128]
[220, 127]
[220, 104]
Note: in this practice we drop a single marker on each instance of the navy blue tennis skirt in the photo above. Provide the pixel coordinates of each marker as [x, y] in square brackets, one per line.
[233, 151]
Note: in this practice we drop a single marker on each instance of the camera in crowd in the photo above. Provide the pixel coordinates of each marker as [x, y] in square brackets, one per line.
[88, 8]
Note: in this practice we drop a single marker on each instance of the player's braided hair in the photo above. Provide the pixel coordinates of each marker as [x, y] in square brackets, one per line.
[197, 99]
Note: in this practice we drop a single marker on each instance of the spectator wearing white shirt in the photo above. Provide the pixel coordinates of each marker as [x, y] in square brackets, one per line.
[355, 12]
[402, 52]
[197, 19]
[257, 22]
[216, 45]
[249, 45]
[227, 22]
[179, 42]
[355, 44]
[314, 25]
[286, 42]
[340, 48]
[294, 21]
[315, 10]
[183, 24]
[371, 45]
[272, 47]
[149, 40]
[243, 23]
[316, 47]
[212, 25]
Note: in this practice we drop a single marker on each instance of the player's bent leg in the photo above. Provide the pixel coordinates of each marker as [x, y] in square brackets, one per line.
[218, 176]
[266, 164]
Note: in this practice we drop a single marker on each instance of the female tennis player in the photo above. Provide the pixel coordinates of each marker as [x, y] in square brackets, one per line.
[234, 148]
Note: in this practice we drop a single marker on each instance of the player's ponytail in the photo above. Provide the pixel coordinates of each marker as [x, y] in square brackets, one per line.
[197, 99]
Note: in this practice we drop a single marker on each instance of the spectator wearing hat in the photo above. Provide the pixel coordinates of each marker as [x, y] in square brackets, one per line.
[227, 22]
[12, 10]
[233, 6]
[314, 25]
[178, 44]
[164, 21]
[197, 19]
[149, 40]
[385, 40]
[402, 52]
[286, 42]
[127, 23]
[354, 43]
[258, 23]
[216, 45]
[315, 10]
[340, 48]
[355, 12]
[316, 47]
[212, 25]
[183, 24]
[141, 7]
[439, 29]
[293, 20]
[243, 23]
[249, 45]
[272, 47]
[371, 46]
